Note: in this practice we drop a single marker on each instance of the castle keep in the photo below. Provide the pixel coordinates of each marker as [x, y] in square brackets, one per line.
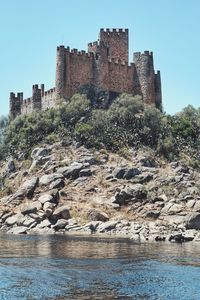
[104, 68]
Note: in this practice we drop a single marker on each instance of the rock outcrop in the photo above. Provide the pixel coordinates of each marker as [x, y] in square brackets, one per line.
[78, 190]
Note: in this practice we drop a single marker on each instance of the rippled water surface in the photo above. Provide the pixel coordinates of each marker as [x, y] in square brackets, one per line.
[65, 267]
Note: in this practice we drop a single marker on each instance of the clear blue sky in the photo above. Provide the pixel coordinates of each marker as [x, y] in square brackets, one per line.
[31, 30]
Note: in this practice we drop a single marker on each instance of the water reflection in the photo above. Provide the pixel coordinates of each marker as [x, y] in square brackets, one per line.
[62, 246]
[66, 267]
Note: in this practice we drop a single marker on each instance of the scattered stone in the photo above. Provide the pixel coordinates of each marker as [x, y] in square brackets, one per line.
[27, 188]
[148, 162]
[193, 221]
[197, 206]
[85, 173]
[10, 167]
[6, 215]
[178, 238]
[47, 179]
[60, 224]
[95, 215]
[31, 207]
[175, 209]
[61, 213]
[48, 205]
[45, 198]
[18, 230]
[28, 221]
[119, 172]
[44, 223]
[107, 226]
[154, 214]
[57, 184]
[130, 173]
[10, 221]
[72, 171]
[92, 226]
[38, 153]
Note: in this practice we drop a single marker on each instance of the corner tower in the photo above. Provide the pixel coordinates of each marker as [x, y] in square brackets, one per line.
[15, 104]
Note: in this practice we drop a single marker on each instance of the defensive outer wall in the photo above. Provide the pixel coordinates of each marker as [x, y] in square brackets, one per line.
[104, 67]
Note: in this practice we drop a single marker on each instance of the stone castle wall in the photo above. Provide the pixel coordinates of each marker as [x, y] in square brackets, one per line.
[105, 67]
[40, 100]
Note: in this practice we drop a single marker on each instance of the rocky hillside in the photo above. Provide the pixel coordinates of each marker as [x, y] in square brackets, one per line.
[72, 189]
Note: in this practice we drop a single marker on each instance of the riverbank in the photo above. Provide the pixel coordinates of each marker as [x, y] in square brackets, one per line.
[75, 190]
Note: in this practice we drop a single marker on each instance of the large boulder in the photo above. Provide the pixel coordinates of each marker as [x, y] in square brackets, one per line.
[45, 198]
[125, 173]
[28, 221]
[27, 188]
[15, 219]
[119, 172]
[48, 179]
[18, 230]
[192, 221]
[130, 173]
[39, 153]
[107, 226]
[57, 184]
[61, 212]
[31, 207]
[60, 224]
[72, 171]
[40, 156]
[96, 215]
[85, 173]
[130, 194]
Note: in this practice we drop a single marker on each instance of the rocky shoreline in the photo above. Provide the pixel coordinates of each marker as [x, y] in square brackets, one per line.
[68, 190]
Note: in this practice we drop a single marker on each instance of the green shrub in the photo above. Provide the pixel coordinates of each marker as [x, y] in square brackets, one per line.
[126, 123]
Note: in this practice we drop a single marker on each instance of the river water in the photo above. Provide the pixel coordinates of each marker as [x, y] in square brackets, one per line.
[66, 267]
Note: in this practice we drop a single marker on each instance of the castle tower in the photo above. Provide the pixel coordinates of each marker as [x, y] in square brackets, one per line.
[36, 98]
[146, 76]
[116, 41]
[60, 72]
[15, 104]
[100, 64]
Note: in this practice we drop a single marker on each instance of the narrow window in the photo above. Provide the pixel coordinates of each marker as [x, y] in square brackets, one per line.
[107, 51]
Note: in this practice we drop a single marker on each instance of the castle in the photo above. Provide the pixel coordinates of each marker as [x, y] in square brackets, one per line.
[104, 68]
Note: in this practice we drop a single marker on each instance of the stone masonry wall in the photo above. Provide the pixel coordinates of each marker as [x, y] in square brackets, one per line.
[27, 106]
[116, 42]
[48, 99]
[121, 77]
[79, 67]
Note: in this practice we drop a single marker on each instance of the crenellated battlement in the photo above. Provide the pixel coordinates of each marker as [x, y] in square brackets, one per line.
[96, 43]
[104, 66]
[50, 91]
[140, 54]
[114, 30]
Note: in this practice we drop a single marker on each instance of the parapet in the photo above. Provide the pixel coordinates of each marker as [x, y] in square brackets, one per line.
[145, 53]
[114, 30]
[82, 53]
[61, 48]
[50, 91]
